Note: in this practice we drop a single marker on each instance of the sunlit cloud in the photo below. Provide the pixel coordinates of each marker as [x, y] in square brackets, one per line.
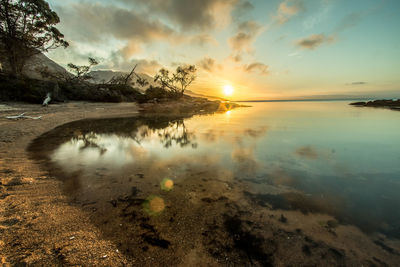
[288, 9]
[203, 40]
[207, 64]
[97, 22]
[247, 43]
[191, 15]
[242, 42]
[257, 67]
[117, 61]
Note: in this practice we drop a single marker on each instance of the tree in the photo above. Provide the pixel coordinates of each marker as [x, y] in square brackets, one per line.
[82, 72]
[27, 28]
[184, 76]
[127, 79]
[178, 81]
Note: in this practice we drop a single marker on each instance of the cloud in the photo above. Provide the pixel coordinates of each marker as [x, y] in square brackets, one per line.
[242, 41]
[317, 17]
[348, 21]
[190, 15]
[242, 8]
[98, 29]
[259, 67]
[207, 64]
[356, 83]
[307, 152]
[314, 40]
[288, 9]
[294, 54]
[203, 40]
[95, 22]
[132, 48]
[118, 61]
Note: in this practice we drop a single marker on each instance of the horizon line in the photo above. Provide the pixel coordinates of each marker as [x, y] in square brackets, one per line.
[305, 100]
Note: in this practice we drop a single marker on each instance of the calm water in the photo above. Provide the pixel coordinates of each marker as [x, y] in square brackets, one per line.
[322, 157]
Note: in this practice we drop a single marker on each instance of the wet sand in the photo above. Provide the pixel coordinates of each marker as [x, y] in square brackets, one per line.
[207, 220]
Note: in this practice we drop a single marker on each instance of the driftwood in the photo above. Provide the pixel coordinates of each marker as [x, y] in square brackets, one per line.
[22, 116]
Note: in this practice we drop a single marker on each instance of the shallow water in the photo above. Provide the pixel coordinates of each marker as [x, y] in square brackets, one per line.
[324, 157]
[219, 183]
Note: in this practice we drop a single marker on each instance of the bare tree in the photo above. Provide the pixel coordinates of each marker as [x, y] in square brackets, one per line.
[127, 79]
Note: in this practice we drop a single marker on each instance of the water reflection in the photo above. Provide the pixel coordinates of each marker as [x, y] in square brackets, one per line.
[170, 171]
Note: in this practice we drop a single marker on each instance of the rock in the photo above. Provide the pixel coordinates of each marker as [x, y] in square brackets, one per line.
[332, 223]
[283, 219]
[389, 103]
[358, 104]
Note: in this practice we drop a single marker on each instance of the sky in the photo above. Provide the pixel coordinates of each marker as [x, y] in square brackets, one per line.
[277, 49]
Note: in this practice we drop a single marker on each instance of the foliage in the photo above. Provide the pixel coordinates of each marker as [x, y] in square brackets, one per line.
[156, 92]
[51, 75]
[177, 82]
[24, 89]
[27, 28]
[34, 91]
[184, 76]
[82, 72]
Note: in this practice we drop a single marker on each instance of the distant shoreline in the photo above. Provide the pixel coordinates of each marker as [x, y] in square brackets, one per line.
[305, 100]
[393, 104]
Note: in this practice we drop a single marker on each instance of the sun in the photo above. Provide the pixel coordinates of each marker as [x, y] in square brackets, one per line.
[228, 89]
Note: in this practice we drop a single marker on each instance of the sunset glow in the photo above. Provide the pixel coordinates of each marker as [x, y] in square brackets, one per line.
[228, 90]
[200, 132]
[280, 49]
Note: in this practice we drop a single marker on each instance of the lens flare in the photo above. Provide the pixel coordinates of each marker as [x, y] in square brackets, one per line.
[167, 184]
[154, 205]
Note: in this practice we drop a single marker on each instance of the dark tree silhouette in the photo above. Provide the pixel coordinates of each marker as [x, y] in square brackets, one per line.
[127, 79]
[27, 28]
[177, 82]
[183, 77]
[82, 72]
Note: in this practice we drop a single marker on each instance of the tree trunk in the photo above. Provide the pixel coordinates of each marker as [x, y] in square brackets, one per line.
[16, 57]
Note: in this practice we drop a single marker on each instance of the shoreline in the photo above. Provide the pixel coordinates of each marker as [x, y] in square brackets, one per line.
[41, 225]
[30, 199]
[387, 104]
